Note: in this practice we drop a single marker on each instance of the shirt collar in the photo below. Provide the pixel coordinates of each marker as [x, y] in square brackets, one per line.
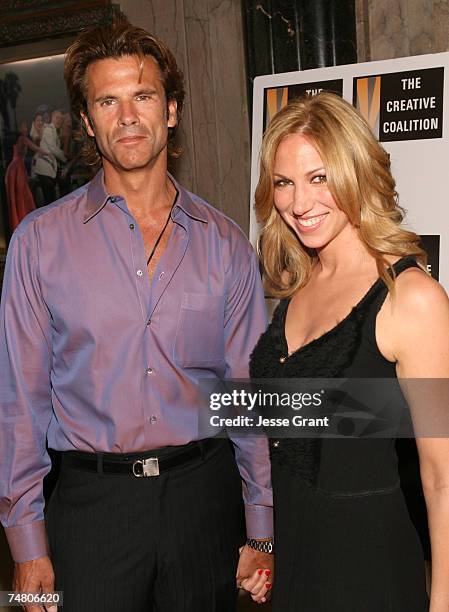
[185, 202]
[97, 198]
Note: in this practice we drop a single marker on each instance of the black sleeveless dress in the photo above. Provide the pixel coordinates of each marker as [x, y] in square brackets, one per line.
[343, 536]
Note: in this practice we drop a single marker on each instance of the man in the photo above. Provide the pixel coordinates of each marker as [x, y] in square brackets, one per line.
[118, 299]
[46, 168]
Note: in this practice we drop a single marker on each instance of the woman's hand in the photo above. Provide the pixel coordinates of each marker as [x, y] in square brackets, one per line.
[259, 585]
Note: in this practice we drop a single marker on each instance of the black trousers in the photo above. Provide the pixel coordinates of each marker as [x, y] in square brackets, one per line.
[167, 543]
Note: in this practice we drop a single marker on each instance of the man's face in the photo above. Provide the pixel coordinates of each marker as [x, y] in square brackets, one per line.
[56, 119]
[128, 118]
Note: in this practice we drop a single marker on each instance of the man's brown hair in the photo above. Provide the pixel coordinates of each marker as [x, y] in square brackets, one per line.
[114, 41]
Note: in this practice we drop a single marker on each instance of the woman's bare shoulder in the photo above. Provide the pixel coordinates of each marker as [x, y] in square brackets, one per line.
[417, 293]
[414, 326]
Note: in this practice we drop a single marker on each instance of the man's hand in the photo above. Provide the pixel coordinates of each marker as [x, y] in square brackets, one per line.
[35, 576]
[255, 573]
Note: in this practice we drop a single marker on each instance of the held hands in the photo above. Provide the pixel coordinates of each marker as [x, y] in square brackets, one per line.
[255, 573]
[35, 577]
[259, 585]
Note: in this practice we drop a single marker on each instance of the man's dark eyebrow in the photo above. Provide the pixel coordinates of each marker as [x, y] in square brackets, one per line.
[104, 97]
[149, 91]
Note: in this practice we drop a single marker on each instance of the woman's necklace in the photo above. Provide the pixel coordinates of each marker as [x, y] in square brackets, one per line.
[160, 236]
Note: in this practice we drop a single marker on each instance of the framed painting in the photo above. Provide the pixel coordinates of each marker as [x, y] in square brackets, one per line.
[30, 92]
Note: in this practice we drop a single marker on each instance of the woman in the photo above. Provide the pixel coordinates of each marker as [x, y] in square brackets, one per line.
[20, 198]
[37, 128]
[355, 302]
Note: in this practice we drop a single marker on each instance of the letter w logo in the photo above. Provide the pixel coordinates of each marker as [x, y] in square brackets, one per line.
[368, 101]
[276, 99]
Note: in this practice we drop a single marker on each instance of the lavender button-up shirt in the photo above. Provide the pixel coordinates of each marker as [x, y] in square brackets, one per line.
[96, 357]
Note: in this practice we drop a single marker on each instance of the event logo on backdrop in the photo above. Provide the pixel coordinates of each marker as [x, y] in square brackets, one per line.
[404, 105]
[431, 245]
[277, 97]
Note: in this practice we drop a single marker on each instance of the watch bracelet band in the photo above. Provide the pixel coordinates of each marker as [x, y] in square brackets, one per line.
[265, 546]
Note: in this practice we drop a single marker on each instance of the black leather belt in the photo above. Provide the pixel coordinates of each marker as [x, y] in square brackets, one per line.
[143, 464]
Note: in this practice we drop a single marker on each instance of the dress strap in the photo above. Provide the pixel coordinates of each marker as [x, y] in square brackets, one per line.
[372, 307]
[278, 323]
[404, 263]
[379, 291]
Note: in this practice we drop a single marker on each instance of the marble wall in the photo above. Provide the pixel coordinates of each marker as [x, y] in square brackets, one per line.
[206, 37]
[399, 28]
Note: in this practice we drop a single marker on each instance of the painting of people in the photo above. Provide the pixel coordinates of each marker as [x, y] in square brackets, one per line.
[40, 152]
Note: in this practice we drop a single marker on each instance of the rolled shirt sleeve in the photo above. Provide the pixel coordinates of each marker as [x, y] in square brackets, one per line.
[25, 400]
[245, 320]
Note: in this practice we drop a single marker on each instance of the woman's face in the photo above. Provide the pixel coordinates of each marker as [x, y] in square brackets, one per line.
[38, 122]
[301, 194]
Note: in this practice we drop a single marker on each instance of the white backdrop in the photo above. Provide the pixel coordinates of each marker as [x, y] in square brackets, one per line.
[407, 102]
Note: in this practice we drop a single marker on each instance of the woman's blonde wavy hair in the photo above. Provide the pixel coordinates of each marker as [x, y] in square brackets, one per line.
[359, 179]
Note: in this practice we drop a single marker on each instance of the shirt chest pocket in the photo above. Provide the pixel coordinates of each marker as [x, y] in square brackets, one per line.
[199, 340]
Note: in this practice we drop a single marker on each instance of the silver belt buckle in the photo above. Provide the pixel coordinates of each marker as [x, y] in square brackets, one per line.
[146, 467]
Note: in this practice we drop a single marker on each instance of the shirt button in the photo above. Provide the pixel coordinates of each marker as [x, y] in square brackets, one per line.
[149, 371]
[131, 226]
[152, 419]
[161, 275]
[113, 199]
[149, 322]
[139, 273]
